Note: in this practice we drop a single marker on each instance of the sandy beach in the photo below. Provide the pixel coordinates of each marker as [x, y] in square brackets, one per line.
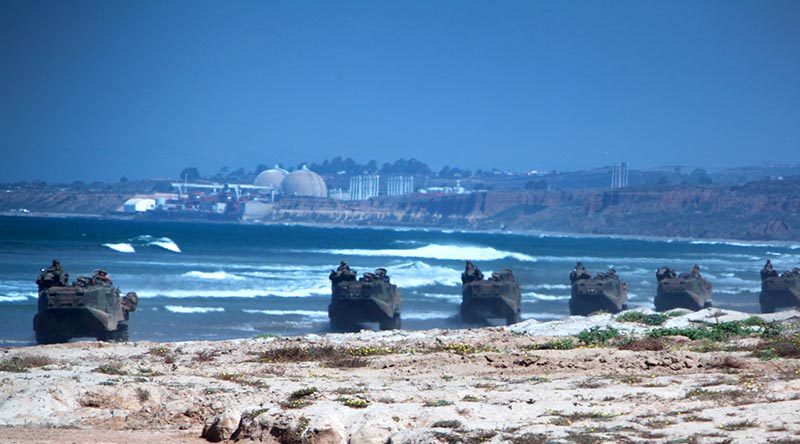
[531, 382]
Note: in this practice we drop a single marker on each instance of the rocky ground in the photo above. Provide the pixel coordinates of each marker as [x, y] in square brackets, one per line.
[710, 376]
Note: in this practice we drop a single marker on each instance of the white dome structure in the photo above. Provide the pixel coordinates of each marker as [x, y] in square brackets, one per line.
[271, 177]
[304, 182]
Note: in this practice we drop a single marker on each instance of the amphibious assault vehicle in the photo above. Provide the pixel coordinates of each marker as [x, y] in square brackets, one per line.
[371, 298]
[779, 290]
[603, 292]
[496, 297]
[91, 307]
[687, 290]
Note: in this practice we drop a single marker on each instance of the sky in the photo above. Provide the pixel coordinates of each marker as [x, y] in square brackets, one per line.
[98, 90]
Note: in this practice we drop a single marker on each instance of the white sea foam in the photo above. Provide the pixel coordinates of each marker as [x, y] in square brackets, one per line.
[446, 297]
[437, 251]
[192, 310]
[14, 297]
[544, 297]
[167, 244]
[212, 275]
[284, 290]
[420, 274]
[428, 315]
[305, 313]
[548, 287]
[121, 247]
[163, 242]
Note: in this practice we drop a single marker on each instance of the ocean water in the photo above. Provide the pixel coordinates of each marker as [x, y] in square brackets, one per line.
[220, 281]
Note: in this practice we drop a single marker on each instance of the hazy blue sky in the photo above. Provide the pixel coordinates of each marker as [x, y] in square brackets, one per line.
[103, 89]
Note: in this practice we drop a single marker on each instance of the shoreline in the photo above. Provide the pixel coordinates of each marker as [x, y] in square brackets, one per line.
[523, 233]
[531, 382]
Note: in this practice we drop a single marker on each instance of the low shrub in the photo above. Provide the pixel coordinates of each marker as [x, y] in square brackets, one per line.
[302, 393]
[597, 336]
[643, 344]
[21, 364]
[555, 344]
[642, 318]
[447, 424]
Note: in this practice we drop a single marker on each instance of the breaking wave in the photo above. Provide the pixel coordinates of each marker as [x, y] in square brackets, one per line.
[549, 287]
[191, 310]
[163, 242]
[420, 274]
[121, 247]
[428, 315]
[442, 296]
[18, 297]
[305, 313]
[212, 275]
[544, 297]
[278, 291]
[437, 251]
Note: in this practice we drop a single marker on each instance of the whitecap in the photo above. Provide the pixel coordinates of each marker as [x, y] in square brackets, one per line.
[18, 297]
[427, 315]
[192, 310]
[278, 291]
[544, 297]
[166, 243]
[121, 247]
[447, 297]
[548, 287]
[420, 274]
[437, 251]
[305, 313]
[212, 275]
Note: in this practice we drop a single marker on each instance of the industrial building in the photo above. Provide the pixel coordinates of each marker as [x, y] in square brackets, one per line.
[364, 187]
[619, 175]
[399, 185]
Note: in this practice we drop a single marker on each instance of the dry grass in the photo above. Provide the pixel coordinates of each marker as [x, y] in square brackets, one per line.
[21, 364]
[644, 344]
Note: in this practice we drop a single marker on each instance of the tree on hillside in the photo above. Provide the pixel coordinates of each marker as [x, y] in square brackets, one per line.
[190, 174]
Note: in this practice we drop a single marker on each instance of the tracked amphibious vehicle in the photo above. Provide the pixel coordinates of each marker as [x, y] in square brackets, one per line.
[687, 290]
[371, 298]
[89, 307]
[603, 292]
[779, 290]
[496, 297]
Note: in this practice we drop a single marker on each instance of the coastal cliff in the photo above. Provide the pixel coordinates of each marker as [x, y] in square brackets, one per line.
[758, 211]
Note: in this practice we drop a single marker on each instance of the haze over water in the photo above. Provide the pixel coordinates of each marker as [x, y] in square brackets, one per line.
[218, 281]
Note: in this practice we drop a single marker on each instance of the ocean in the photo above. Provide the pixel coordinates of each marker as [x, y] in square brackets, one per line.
[206, 281]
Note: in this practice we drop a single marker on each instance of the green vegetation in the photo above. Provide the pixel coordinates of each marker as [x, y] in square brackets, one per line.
[555, 344]
[597, 336]
[110, 369]
[142, 394]
[265, 336]
[641, 318]
[437, 403]
[355, 403]
[295, 353]
[787, 346]
[303, 393]
[370, 351]
[722, 331]
[447, 424]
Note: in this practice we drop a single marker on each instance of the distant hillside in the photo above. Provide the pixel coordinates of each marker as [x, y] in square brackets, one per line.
[767, 210]
[762, 210]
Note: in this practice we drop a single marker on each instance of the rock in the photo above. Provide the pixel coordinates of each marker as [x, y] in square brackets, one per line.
[222, 426]
[375, 430]
[325, 432]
